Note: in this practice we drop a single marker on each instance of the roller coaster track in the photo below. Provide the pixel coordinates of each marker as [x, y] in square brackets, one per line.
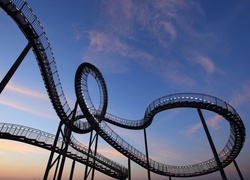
[194, 100]
[77, 150]
[97, 117]
[30, 25]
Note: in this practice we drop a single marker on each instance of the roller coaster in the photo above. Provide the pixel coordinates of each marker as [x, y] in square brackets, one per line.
[91, 119]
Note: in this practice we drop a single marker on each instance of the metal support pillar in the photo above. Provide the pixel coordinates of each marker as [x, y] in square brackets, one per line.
[96, 143]
[57, 164]
[238, 170]
[91, 140]
[72, 170]
[223, 175]
[169, 177]
[67, 136]
[64, 148]
[146, 147]
[14, 67]
[129, 169]
[50, 164]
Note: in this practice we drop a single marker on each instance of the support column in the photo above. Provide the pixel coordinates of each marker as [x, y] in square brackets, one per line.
[223, 175]
[14, 67]
[146, 147]
[89, 150]
[50, 164]
[91, 140]
[129, 169]
[67, 135]
[64, 147]
[72, 170]
[238, 170]
[96, 143]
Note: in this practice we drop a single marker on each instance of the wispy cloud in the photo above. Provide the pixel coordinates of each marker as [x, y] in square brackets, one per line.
[139, 32]
[205, 63]
[213, 122]
[242, 96]
[23, 106]
[36, 110]
[25, 91]
[112, 51]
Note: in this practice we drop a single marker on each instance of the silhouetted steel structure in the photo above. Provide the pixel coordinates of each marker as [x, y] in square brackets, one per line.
[93, 119]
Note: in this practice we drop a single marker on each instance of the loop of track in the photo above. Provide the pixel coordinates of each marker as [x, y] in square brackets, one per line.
[27, 21]
[193, 100]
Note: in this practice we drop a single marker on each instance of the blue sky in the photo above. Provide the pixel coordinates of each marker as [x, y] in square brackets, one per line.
[145, 50]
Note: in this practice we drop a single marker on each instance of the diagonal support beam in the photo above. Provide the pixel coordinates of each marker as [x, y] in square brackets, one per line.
[14, 67]
[223, 175]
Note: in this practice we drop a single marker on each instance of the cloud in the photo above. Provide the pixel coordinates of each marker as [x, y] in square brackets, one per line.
[213, 122]
[109, 52]
[25, 91]
[242, 96]
[24, 107]
[12, 101]
[205, 63]
[193, 129]
[169, 28]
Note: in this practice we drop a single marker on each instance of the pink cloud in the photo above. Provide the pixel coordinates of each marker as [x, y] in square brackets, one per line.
[205, 63]
[169, 28]
[213, 122]
[28, 92]
[193, 129]
[106, 45]
[154, 17]
[23, 107]
[242, 96]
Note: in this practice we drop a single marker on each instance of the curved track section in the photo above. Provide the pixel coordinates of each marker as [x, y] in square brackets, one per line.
[22, 14]
[194, 100]
[77, 151]
[31, 27]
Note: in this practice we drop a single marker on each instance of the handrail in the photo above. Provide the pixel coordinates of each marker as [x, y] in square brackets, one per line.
[194, 100]
[77, 151]
[30, 25]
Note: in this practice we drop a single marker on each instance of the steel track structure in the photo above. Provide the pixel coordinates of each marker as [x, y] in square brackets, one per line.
[194, 100]
[97, 117]
[77, 151]
[23, 15]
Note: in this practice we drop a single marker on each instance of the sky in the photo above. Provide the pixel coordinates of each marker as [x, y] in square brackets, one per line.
[144, 50]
